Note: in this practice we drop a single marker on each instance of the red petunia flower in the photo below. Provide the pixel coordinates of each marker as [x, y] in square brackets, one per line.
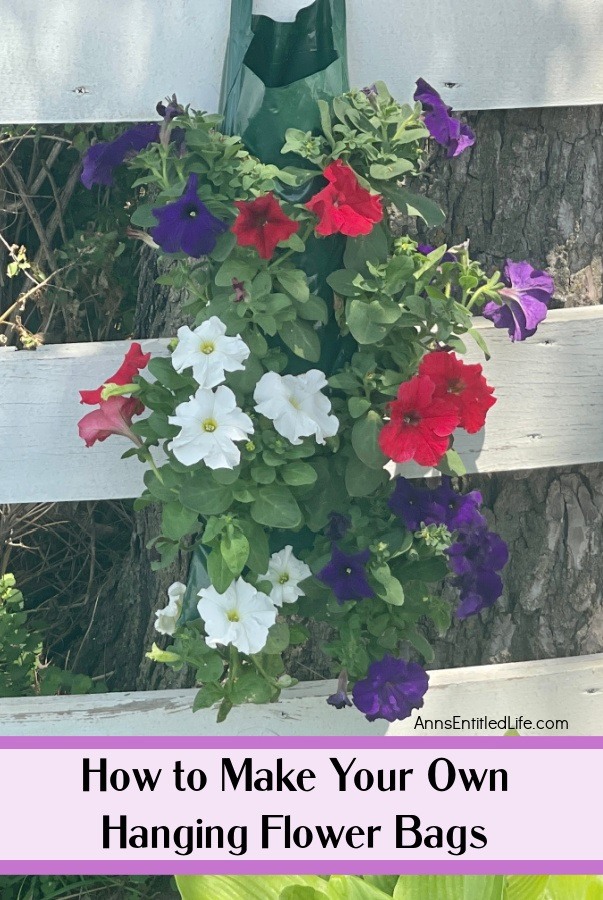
[420, 425]
[462, 385]
[344, 206]
[114, 416]
[134, 361]
[262, 224]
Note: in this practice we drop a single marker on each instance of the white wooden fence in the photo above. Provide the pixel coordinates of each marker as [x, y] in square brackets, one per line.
[105, 60]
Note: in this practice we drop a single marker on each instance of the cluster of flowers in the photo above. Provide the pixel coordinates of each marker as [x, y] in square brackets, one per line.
[476, 556]
[446, 394]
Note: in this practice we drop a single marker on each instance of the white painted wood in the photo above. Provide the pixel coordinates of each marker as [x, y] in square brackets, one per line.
[106, 60]
[557, 689]
[549, 411]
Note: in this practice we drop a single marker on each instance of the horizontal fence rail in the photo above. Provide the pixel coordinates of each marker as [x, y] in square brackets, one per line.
[549, 411]
[567, 694]
[106, 60]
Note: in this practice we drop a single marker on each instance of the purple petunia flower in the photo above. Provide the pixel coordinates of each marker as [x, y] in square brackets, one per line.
[346, 576]
[415, 505]
[187, 225]
[444, 128]
[338, 526]
[340, 698]
[391, 690]
[460, 510]
[525, 301]
[478, 591]
[475, 558]
[170, 110]
[101, 160]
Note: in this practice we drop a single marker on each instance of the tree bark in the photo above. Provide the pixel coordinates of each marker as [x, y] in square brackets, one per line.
[531, 188]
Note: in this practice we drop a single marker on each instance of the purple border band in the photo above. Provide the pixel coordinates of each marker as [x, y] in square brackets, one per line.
[308, 867]
[301, 743]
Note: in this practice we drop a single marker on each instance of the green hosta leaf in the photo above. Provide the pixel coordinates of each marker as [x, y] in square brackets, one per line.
[342, 283]
[235, 551]
[414, 205]
[302, 339]
[350, 887]
[220, 574]
[526, 887]
[365, 440]
[385, 883]
[176, 521]
[276, 507]
[295, 282]
[205, 496]
[449, 887]
[206, 697]
[242, 887]
[575, 887]
[297, 474]
[392, 170]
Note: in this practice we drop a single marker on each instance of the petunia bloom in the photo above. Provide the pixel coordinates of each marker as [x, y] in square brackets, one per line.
[209, 352]
[459, 511]
[345, 574]
[166, 619]
[186, 225]
[462, 385]
[338, 526]
[210, 423]
[340, 698]
[525, 300]
[344, 206]
[114, 416]
[426, 249]
[420, 425]
[442, 126]
[296, 406]
[134, 362]
[261, 223]
[391, 690]
[101, 160]
[285, 572]
[415, 505]
[476, 558]
[241, 616]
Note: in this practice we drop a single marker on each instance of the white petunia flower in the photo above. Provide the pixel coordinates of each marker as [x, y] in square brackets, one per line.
[209, 352]
[210, 423]
[241, 616]
[284, 573]
[296, 405]
[166, 618]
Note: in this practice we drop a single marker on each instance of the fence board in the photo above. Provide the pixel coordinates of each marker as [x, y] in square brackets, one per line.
[557, 689]
[549, 411]
[106, 60]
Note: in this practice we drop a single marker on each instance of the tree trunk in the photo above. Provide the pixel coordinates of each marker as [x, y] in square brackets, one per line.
[531, 188]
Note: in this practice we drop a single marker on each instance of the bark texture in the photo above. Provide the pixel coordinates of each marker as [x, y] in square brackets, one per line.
[531, 188]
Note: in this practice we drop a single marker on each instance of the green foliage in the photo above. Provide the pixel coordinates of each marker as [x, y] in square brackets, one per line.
[101, 887]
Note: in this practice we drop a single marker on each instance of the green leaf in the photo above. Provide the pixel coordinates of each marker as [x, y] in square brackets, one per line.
[205, 496]
[143, 217]
[414, 205]
[392, 170]
[298, 473]
[452, 464]
[251, 688]
[198, 578]
[259, 551]
[526, 887]
[479, 340]
[428, 570]
[235, 551]
[358, 406]
[351, 887]
[302, 339]
[365, 440]
[373, 247]
[278, 639]
[210, 668]
[163, 370]
[236, 268]
[295, 282]
[241, 887]
[206, 697]
[220, 574]
[342, 282]
[390, 588]
[449, 887]
[421, 644]
[360, 481]
[176, 521]
[276, 507]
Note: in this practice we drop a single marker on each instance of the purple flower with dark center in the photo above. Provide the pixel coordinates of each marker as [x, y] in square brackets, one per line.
[391, 690]
[338, 526]
[415, 505]
[239, 290]
[187, 225]
[346, 576]
[426, 249]
[460, 510]
[340, 698]
[101, 160]
[525, 300]
[444, 128]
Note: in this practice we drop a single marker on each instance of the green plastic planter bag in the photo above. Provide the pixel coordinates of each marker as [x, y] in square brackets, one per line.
[274, 74]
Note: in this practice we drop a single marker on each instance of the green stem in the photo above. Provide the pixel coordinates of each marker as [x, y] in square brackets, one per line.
[475, 296]
[233, 664]
[151, 462]
[308, 231]
[263, 672]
